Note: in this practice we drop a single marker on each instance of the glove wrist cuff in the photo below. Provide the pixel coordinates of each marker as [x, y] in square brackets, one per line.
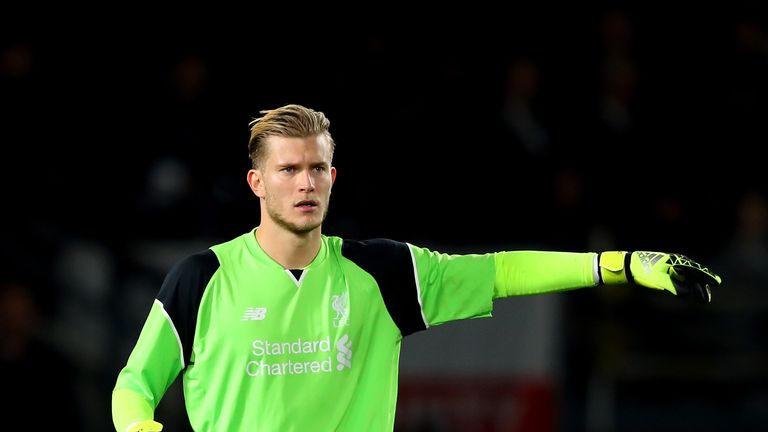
[614, 267]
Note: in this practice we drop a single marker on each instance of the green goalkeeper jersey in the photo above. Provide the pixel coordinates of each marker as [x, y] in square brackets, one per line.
[262, 348]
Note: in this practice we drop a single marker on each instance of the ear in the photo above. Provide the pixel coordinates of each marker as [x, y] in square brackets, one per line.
[256, 182]
[333, 175]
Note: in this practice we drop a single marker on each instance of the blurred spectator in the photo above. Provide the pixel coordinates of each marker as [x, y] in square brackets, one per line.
[617, 93]
[38, 378]
[519, 115]
[618, 76]
[746, 255]
[16, 61]
[84, 272]
[743, 80]
[522, 145]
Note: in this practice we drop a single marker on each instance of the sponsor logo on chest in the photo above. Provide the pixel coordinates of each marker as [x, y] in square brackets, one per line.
[299, 357]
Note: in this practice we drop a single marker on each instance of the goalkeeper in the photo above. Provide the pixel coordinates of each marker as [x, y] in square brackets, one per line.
[286, 329]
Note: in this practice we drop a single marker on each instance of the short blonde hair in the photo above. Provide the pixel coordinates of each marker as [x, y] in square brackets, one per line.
[292, 121]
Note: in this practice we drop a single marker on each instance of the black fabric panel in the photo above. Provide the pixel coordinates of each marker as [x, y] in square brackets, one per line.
[390, 264]
[181, 293]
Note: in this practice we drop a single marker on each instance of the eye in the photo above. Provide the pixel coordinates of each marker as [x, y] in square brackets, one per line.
[287, 169]
[320, 168]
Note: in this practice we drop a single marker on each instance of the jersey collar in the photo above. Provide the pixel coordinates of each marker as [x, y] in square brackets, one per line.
[255, 249]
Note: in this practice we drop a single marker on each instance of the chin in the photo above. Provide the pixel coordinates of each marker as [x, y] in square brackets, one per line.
[306, 226]
[305, 229]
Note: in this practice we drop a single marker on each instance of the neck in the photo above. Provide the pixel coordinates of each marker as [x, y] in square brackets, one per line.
[290, 250]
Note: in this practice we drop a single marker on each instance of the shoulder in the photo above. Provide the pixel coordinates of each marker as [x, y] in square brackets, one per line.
[192, 272]
[232, 247]
[379, 247]
[377, 255]
[391, 264]
[202, 261]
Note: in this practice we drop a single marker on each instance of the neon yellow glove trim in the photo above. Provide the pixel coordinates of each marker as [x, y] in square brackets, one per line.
[612, 268]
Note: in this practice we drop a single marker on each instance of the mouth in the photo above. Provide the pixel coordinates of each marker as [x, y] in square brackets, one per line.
[307, 205]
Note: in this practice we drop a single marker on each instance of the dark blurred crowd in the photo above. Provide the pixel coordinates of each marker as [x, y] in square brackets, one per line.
[610, 129]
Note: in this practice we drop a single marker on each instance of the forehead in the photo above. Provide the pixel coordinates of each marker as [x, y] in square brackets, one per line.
[280, 149]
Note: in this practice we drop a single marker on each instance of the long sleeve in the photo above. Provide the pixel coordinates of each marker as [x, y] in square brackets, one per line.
[152, 367]
[164, 347]
[453, 287]
[537, 272]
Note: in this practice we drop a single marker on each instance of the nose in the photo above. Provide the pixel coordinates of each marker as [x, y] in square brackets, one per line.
[306, 182]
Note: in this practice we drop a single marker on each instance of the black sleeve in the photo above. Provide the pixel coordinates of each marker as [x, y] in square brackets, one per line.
[391, 265]
[181, 293]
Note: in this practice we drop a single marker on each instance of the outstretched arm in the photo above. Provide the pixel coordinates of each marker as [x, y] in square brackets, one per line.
[535, 272]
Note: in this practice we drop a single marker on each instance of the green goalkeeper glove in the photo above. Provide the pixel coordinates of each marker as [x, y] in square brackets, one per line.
[145, 426]
[675, 273]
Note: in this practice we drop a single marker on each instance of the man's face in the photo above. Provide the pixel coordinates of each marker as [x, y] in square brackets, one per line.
[296, 181]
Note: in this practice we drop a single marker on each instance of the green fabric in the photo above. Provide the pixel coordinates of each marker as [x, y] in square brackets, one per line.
[454, 286]
[320, 354]
[537, 272]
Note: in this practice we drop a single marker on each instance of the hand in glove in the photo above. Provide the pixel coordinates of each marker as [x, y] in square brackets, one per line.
[675, 273]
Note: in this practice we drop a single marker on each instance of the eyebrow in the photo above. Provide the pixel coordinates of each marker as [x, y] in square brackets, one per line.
[294, 164]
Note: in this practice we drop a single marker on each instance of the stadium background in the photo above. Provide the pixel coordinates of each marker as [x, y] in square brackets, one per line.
[609, 128]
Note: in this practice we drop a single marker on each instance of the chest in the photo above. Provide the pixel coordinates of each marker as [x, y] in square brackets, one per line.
[321, 303]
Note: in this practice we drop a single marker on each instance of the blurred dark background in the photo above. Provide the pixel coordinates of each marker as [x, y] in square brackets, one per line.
[610, 127]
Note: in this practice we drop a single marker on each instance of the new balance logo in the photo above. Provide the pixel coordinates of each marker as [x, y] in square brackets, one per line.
[255, 314]
[649, 259]
[344, 356]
